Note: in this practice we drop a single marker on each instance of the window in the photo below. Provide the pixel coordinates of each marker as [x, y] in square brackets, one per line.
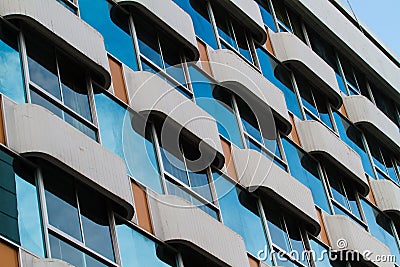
[86, 235]
[384, 161]
[386, 104]
[158, 53]
[59, 84]
[70, 5]
[198, 11]
[343, 195]
[206, 97]
[131, 144]
[182, 176]
[231, 33]
[281, 77]
[305, 169]
[353, 137]
[19, 207]
[136, 249]
[287, 20]
[314, 104]
[381, 227]
[240, 212]
[115, 29]
[266, 14]
[355, 80]
[11, 79]
[286, 237]
[253, 136]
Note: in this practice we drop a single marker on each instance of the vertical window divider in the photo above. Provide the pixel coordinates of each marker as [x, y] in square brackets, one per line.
[92, 106]
[326, 185]
[368, 151]
[297, 92]
[266, 230]
[179, 260]
[24, 61]
[213, 23]
[214, 194]
[341, 71]
[132, 28]
[78, 206]
[271, 7]
[239, 121]
[43, 211]
[159, 158]
[113, 232]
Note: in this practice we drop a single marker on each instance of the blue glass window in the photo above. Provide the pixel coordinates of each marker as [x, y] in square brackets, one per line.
[280, 77]
[240, 212]
[352, 136]
[232, 34]
[380, 226]
[137, 250]
[19, 208]
[88, 223]
[267, 14]
[305, 169]
[66, 252]
[315, 104]
[205, 95]
[117, 38]
[134, 147]
[11, 79]
[197, 10]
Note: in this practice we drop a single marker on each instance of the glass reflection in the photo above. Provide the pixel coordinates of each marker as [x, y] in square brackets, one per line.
[137, 250]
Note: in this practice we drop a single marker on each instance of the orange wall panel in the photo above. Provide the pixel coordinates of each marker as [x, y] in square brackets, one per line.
[141, 208]
[118, 80]
[323, 234]
[8, 256]
[294, 135]
[204, 57]
[253, 262]
[343, 111]
[268, 45]
[226, 147]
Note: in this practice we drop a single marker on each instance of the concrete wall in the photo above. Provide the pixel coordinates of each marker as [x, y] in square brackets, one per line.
[150, 93]
[170, 18]
[177, 221]
[257, 172]
[33, 131]
[248, 13]
[361, 111]
[387, 195]
[320, 141]
[351, 39]
[290, 50]
[346, 235]
[238, 76]
[64, 29]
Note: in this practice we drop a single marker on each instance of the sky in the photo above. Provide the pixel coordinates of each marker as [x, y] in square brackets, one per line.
[382, 17]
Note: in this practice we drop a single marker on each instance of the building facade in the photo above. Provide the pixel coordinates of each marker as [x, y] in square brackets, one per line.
[194, 133]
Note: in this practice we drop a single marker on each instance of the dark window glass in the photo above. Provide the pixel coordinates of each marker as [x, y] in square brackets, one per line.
[352, 136]
[42, 66]
[95, 224]
[11, 79]
[240, 212]
[207, 98]
[197, 10]
[380, 226]
[61, 203]
[267, 14]
[305, 169]
[280, 77]
[103, 16]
